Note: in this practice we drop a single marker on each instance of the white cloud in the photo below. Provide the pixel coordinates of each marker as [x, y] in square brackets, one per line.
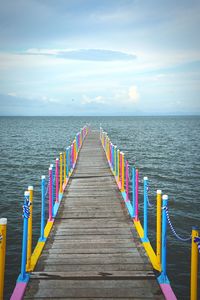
[133, 94]
[127, 96]
[12, 94]
[96, 100]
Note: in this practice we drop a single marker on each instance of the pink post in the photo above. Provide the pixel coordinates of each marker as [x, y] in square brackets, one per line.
[72, 155]
[50, 194]
[136, 194]
[127, 181]
[120, 178]
[57, 179]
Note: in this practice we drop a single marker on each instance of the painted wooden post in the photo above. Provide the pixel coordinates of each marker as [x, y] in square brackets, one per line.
[61, 190]
[42, 225]
[3, 227]
[127, 181]
[136, 194]
[74, 143]
[118, 165]
[53, 192]
[122, 170]
[57, 179]
[64, 163]
[50, 195]
[158, 226]
[24, 277]
[67, 162]
[194, 266]
[30, 226]
[145, 221]
[115, 164]
[163, 277]
[133, 191]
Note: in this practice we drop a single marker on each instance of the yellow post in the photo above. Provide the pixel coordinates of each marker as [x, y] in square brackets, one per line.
[61, 190]
[122, 187]
[194, 266]
[64, 158]
[30, 226]
[118, 168]
[158, 226]
[3, 225]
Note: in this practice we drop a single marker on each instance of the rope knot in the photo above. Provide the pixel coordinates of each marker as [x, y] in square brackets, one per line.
[26, 208]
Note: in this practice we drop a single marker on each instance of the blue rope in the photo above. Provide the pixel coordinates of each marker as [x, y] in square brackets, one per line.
[172, 228]
[197, 241]
[26, 208]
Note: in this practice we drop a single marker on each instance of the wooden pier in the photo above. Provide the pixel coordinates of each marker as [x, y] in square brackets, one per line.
[93, 250]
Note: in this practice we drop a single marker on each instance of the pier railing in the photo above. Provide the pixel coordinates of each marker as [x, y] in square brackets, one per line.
[52, 190]
[127, 179]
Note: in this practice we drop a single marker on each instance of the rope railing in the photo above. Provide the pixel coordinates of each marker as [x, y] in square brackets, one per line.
[121, 170]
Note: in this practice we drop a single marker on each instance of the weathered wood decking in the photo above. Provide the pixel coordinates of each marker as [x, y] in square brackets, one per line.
[93, 251]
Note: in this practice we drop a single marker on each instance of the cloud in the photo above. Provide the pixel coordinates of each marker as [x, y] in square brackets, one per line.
[133, 94]
[86, 100]
[127, 97]
[84, 54]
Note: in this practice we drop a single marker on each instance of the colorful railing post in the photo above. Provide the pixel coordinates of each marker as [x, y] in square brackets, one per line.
[64, 166]
[50, 195]
[136, 194]
[30, 225]
[67, 162]
[145, 224]
[115, 164]
[158, 226]
[53, 192]
[133, 191]
[24, 277]
[61, 190]
[127, 181]
[3, 227]
[118, 165]
[122, 172]
[194, 266]
[163, 277]
[42, 225]
[57, 179]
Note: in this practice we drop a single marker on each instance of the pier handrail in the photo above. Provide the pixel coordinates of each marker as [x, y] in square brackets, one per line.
[158, 258]
[57, 181]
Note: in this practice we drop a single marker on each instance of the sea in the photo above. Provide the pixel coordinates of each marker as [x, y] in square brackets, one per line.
[166, 149]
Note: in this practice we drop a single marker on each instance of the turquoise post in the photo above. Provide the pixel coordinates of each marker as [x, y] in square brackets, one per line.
[23, 276]
[145, 224]
[133, 191]
[42, 238]
[163, 277]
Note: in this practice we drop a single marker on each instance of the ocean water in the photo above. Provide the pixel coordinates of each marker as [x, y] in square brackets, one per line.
[166, 149]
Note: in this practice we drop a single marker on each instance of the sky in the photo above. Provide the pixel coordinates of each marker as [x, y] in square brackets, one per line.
[99, 57]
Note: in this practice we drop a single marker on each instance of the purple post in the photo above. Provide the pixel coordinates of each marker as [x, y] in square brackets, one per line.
[127, 183]
[57, 179]
[50, 194]
[136, 194]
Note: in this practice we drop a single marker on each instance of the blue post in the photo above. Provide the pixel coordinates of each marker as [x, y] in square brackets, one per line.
[42, 238]
[145, 224]
[23, 276]
[133, 191]
[163, 277]
[67, 162]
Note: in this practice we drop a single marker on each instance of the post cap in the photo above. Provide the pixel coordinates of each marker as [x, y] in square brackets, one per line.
[159, 192]
[57, 159]
[115, 146]
[3, 221]
[51, 165]
[43, 177]
[145, 178]
[122, 153]
[30, 188]
[26, 193]
[50, 169]
[60, 153]
[165, 197]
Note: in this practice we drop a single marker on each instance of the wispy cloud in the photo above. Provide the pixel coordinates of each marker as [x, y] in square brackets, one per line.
[84, 54]
[86, 100]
